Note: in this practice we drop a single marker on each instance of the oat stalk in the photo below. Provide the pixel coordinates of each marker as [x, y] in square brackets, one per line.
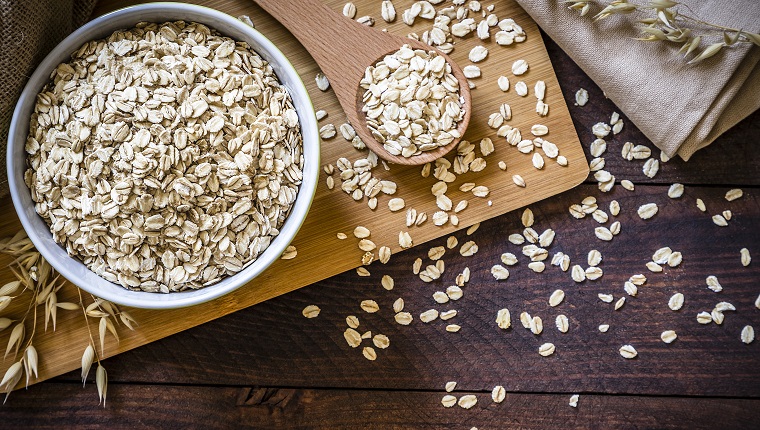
[663, 22]
[37, 284]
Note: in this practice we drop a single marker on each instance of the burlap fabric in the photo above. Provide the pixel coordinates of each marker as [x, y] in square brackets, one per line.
[680, 107]
[29, 30]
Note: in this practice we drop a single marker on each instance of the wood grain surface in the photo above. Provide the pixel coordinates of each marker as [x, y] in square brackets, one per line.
[275, 345]
[268, 367]
[175, 406]
[320, 254]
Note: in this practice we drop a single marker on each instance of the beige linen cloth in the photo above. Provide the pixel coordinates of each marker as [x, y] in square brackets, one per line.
[680, 107]
[29, 29]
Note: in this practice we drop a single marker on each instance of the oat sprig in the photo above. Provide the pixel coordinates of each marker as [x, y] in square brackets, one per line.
[663, 21]
[37, 286]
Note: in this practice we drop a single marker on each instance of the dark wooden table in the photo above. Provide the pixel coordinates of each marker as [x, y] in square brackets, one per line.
[268, 366]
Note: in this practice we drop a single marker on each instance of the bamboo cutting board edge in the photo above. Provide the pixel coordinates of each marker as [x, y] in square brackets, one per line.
[316, 241]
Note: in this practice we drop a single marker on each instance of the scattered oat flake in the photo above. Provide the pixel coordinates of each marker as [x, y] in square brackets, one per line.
[480, 191]
[516, 239]
[630, 289]
[614, 208]
[451, 242]
[594, 257]
[381, 341]
[600, 130]
[745, 257]
[398, 305]
[720, 220]
[454, 292]
[499, 272]
[521, 88]
[676, 301]
[361, 232]
[628, 351]
[322, 83]
[525, 319]
[651, 167]
[447, 315]
[668, 336]
[479, 53]
[556, 298]
[638, 279]
[448, 400]
[453, 328]
[369, 306]
[289, 253]
[353, 338]
[387, 282]
[498, 394]
[675, 191]
[395, 204]
[704, 317]
[467, 401]
[654, 267]
[527, 218]
[311, 311]
[468, 248]
[403, 318]
[581, 97]
[429, 315]
[748, 334]
[369, 353]
[604, 327]
[701, 205]
[594, 273]
[503, 319]
[574, 400]
[734, 194]
[562, 323]
[661, 255]
[648, 210]
[546, 349]
[367, 245]
[352, 321]
[519, 67]
[578, 274]
[603, 233]
[405, 240]
[717, 316]
[537, 266]
[440, 297]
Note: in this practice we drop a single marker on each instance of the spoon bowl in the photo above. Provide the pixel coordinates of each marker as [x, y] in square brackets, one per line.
[344, 48]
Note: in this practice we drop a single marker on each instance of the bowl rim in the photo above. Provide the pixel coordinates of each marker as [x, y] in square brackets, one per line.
[289, 229]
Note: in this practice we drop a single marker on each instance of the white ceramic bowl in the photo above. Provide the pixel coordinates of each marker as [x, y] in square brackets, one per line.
[101, 27]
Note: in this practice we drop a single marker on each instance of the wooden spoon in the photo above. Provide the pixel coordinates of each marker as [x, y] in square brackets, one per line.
[344, 49]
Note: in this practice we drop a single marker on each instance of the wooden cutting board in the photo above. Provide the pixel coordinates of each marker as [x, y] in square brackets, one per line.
[320, 253]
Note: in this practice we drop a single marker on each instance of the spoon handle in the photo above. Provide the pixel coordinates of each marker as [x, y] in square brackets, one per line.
[338, 44]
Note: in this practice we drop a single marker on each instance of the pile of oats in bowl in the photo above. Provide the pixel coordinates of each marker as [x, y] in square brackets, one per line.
[165, 157]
